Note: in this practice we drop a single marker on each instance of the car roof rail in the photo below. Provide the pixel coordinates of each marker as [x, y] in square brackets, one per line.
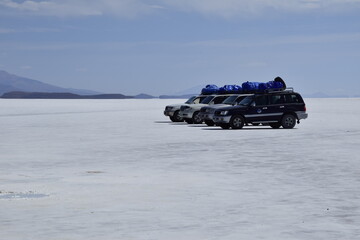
[288, 89]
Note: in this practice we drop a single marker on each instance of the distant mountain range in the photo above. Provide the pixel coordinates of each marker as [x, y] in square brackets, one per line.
[47, 95]
[12, 86]
[10, 83]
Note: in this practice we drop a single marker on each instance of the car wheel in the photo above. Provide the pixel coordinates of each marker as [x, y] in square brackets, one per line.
[209, 123]
[224, 126]
[288, 121]
[189, 121]
[275, 125]
[176, 117]
[237, 122]
[196, 118]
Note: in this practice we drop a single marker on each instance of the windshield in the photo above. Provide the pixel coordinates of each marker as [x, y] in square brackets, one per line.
[230, 100]
[246, 101]
[190, 100]
[207, 99]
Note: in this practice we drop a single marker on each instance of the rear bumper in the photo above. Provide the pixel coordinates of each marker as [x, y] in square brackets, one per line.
[301, 115]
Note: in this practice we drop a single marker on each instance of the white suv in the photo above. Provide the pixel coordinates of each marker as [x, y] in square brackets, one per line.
[191, 113]
[172, 111]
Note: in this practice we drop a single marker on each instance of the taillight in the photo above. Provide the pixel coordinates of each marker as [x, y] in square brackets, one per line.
[305, 108]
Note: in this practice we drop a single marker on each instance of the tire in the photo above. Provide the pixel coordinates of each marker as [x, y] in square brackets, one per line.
[209, 123]
[288, 121]
[224, 126]
[176, 117]
[237, 122]
[275, 125]
[196, 118]
[189, 121]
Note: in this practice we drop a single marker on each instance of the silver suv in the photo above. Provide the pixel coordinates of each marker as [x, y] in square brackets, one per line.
[172, 111]
[191, 113]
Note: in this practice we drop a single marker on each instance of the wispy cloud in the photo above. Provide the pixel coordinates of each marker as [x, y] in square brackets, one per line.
[7, 30]
[133, 8]
[26, 67]
[342, 38]
[78, 8]
[81, 69]
[281, 40]
[231, 8]
[28, 30]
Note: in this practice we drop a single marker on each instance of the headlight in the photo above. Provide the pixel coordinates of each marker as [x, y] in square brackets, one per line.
[223, 113]
[168, 108]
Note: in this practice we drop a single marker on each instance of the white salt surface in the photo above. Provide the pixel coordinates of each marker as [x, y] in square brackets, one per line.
[119, 169]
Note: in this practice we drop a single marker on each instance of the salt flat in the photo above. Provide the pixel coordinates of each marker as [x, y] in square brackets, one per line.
[119, 169]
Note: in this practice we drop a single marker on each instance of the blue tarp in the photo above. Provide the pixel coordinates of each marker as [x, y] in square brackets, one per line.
[251, 86]
[230, 89]
[247, 87]
[261, 87]
[210, 89]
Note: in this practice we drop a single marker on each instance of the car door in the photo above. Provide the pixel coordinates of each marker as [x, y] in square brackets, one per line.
[259, 109]
[277, 107]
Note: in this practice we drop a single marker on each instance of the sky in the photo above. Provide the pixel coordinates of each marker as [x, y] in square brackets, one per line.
[167, 46]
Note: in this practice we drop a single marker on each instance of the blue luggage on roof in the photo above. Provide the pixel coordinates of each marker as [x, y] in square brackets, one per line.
[250, 86]
[226, 89]
[210, 89]
[277, 84]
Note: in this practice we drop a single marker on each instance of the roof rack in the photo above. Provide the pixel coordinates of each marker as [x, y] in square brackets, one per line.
[289, 89]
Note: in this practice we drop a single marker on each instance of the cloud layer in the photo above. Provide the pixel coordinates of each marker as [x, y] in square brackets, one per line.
[134, 8]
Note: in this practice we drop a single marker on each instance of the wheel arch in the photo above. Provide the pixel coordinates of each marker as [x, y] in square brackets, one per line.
[290, 113]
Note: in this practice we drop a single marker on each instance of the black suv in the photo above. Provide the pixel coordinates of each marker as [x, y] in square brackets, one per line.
[280, 108]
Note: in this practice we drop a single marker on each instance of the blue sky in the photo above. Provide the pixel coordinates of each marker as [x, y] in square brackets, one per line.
[166, 46]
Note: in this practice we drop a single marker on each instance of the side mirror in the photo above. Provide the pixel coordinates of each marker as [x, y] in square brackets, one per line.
[253, 104]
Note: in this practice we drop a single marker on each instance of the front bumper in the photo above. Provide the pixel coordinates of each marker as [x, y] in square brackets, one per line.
[169, 113]
[221, 119]
[206, 116]
[186, 115]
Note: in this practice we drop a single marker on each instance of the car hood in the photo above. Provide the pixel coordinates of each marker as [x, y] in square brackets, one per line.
[196, 106]
[176, 105]
[216, 106]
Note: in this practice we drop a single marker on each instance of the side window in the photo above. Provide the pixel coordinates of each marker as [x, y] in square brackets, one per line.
[277, 99]
[197, 100]
[292, 98]
[239, 99]
[261, 100]
[219, 99]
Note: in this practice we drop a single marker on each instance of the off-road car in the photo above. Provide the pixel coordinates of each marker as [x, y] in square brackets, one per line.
[279, 108]
[172, 111]
[190, 112]
[207, 112]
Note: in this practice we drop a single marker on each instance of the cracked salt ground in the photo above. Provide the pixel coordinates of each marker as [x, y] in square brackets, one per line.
[21, 195]
[118, 169]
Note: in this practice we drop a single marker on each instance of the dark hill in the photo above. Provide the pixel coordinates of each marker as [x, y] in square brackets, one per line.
[10, 82]
[45, 95]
